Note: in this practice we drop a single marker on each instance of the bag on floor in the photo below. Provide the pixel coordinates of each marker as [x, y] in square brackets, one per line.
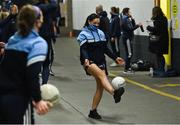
[141, 65]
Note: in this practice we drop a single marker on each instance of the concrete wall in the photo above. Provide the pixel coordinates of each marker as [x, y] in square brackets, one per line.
[175, 14]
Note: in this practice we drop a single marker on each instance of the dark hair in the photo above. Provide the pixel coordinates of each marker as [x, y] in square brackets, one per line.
[90, 18]
[113, 9]
[26, 19]
[117, 10]
[43, 1]
[125, 10]
[156, 12]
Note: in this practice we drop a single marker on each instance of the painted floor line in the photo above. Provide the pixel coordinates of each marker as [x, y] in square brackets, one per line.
[149, 88]
[168, 85]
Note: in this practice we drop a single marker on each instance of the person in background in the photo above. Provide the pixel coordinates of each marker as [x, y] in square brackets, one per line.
[21, 3]
[20, 68]
[93, 48]
[4, 14]
[56, 29]
[159, 47]
[3, 20]
[57, 19]
[2, 45]
[48, 8]
[128, 27]
[104, 21]
[115, 32]
[8, 25]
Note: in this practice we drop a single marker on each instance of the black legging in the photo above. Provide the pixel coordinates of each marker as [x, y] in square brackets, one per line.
[160, 62]
[12, 108]
[47, 62]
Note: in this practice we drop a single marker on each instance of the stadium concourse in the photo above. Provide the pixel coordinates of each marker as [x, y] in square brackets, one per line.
[147, 100]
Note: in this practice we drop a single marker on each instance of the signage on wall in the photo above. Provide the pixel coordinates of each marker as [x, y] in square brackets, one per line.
[175, 14]
[175, 8]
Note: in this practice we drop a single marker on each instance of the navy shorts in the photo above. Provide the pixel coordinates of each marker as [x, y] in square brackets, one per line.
[101, 66]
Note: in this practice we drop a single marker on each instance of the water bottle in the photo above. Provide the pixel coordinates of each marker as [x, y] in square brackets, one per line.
[142, 29]
[151, 71]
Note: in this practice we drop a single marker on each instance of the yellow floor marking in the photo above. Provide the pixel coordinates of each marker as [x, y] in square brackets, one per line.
[168, 85]
[149, 88]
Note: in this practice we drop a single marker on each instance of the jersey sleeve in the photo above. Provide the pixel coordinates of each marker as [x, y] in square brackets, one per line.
[81, 39]
[38, 52]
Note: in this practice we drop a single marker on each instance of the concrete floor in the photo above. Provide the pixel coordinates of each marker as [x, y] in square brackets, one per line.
[146, 101]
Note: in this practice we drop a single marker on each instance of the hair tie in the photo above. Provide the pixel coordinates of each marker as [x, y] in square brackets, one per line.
[37, 11]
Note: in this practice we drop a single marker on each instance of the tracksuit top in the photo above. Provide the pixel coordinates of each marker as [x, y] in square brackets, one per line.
[93, 46]
[21, 64]
[128, 27]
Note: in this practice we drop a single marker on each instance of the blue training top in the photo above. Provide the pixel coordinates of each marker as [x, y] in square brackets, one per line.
[34, 45]
[93, 46]
[21, 65]
[89, 35]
